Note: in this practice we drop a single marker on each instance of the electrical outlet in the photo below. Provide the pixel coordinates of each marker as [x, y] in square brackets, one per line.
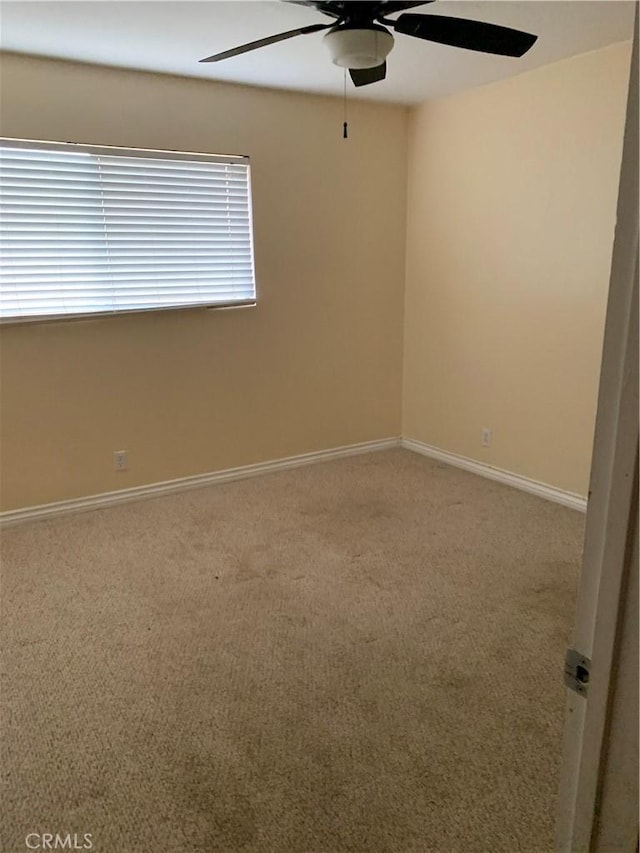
[486, 437]
[120, 460]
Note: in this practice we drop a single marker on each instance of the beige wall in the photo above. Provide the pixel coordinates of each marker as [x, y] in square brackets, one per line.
[316, 365]
[509, 226]
[511, 211]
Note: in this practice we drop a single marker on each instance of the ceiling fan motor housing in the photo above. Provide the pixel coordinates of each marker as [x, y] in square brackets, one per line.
[358, 47]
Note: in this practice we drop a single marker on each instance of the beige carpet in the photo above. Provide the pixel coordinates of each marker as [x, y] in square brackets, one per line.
[364, 655]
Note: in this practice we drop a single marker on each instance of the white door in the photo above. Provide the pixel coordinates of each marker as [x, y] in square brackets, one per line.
[598, 801]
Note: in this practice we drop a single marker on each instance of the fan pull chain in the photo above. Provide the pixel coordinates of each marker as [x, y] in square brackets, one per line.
[345, 133]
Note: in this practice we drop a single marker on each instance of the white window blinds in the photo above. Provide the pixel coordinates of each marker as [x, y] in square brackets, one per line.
[87, 230]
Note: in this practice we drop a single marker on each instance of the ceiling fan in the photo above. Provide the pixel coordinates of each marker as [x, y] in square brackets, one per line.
[358, 38]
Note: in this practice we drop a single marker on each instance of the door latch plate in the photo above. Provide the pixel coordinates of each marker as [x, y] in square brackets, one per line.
[577, 670]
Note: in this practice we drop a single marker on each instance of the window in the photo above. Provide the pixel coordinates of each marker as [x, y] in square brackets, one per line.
[88, 230]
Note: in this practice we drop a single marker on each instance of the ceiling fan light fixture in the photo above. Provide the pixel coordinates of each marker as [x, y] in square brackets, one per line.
[359, 47]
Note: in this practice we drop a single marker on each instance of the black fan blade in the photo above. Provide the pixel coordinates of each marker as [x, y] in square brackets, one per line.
[391, 6]
[327, 7]
[253, 45]
[364, 76]
[459, 32]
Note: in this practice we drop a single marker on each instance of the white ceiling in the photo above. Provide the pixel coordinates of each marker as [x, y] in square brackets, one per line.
[172, 36]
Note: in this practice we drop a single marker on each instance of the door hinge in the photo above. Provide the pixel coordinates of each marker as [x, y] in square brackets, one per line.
[576, 671]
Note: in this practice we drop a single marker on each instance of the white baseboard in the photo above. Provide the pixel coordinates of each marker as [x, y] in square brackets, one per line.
[182, 484]
[542, 490]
